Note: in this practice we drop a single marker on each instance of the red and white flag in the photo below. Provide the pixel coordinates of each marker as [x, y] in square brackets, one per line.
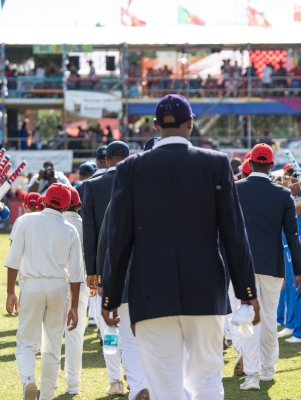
[128, 19]
[257, 19]
[297, 13]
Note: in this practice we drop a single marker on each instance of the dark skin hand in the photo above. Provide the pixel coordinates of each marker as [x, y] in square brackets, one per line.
[92, 282]
[109, 320]
[256, 306]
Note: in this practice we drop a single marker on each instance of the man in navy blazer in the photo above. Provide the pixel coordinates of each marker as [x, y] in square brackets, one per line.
[170, 204]
[268, 209]
[97, 195]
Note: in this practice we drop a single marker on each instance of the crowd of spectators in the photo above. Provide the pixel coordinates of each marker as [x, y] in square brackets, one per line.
[232, 81]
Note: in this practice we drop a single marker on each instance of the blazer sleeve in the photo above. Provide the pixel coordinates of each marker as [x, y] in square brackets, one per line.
[120, 241]
[102, 245]
[290, 226]
[90, 234]
[234, 235]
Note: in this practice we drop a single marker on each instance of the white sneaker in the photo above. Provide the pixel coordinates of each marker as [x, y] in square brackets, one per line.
[267, 374]
[30, 390]
[285, 332]
[293, 339]
[278, 324]
[115, 388]
[74, 390]
[251, 383]
[92, 323]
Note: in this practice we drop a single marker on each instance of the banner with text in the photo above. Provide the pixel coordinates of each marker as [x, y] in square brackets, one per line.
[62, 159]
[62, 48]
[94, 105]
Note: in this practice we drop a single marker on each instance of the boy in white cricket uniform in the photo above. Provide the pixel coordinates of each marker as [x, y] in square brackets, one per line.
[51, 252]
[74, 340]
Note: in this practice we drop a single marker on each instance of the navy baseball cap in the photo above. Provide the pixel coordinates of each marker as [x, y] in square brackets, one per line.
[176, 106]
[118, 148]
[101, 152]
[86, 168]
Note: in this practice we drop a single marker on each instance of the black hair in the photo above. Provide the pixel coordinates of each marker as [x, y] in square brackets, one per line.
[289, 171]
[54, 208]
[115, 158]
[260, 167]
[73, 208]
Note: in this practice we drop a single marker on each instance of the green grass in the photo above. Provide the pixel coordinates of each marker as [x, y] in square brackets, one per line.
[286, 385]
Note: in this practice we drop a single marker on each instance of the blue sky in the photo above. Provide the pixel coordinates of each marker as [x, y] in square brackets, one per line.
[154, 12]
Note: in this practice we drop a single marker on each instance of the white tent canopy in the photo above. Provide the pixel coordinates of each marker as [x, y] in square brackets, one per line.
[156, 37]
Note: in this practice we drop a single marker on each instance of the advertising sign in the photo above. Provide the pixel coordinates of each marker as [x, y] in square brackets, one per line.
[62, 48]
[93, 104]
[35, 159]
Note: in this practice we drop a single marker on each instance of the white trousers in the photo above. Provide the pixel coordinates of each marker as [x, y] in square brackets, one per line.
[42, 310]
[92, 311]
[161, 343]
[234, 335]
[131, 362]
[112, 360]
[263, 344]
[74, 342]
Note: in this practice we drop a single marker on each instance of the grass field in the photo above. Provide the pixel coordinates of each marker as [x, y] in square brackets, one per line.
[286, 385]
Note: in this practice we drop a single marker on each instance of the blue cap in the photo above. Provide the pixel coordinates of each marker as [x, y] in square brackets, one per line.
[176, 106]
[118, 148]
[86, 168]
[101, 152]
[93, 163]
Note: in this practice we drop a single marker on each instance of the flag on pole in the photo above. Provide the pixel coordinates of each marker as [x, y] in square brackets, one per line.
[2, 3]
[128, 19]
[297, 13]
[187, 18]
[257, 19]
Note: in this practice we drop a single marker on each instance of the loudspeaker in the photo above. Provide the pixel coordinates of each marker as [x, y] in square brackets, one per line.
[110, 63]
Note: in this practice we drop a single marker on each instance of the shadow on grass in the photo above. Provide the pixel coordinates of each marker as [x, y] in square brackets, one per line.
[7, 358]
[233, 391]
[8, 333]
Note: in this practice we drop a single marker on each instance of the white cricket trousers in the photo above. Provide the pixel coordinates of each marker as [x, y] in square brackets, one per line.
[92, 311]
[43, 307]
[161, 343]
[130, 357]
[263, 344]
[112, 360]
[74, 341]
[235, 336]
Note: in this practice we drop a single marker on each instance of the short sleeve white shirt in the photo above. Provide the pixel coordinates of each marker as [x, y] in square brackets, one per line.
[49, 245]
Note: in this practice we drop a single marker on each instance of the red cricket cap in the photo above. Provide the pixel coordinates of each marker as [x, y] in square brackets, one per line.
[58, 196]
[40, 203]
[31, 199]
[247, 155]
[246, 169]
[75, 199]
[262, 153]
[287, 166]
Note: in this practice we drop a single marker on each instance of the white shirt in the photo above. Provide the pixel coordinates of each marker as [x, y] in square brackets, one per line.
[267, 73]
[44, 182]
[259, 175]
[111, 169]
[49, 245]
[100, 171]
[75, 219]
[172, 140]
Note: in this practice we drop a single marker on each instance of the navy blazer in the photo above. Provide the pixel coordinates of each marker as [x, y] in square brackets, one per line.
[177, 267]
[97, 195]
[268, 208]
